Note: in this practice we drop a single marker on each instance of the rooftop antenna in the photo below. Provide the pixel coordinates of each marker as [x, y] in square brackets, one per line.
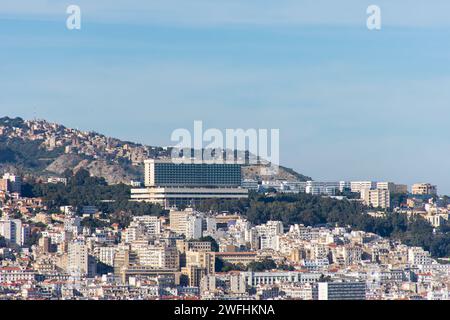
[34, 113]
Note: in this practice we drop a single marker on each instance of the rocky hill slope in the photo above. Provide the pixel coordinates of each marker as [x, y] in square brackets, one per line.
[43, 149]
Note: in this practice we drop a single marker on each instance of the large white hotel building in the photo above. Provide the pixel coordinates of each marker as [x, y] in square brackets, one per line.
[170, 184]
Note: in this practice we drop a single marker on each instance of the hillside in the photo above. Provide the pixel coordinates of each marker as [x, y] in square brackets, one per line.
[43, 149]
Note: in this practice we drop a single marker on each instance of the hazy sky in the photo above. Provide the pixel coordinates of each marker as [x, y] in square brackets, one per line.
[350, 103]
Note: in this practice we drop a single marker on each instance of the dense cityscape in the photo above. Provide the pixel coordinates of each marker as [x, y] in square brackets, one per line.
[173, 233]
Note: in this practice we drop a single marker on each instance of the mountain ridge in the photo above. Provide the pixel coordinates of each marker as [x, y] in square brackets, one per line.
[43, 149]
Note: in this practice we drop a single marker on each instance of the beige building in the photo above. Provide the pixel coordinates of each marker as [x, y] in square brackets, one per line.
[79, 261]
[43, 217]
[186, 222]
[123, 258]
[178, 220]
[377, 198]
[357, 186]
[393, 187]
[3, 185]
[157, 255]
[424, 188]
[183, 246]
[194, 275]
[237, 257]
[205, 260]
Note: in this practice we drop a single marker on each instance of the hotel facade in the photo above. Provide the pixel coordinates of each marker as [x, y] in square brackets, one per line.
[171, 184]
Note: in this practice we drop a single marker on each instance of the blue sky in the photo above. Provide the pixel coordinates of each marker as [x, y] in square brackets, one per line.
[349, 103]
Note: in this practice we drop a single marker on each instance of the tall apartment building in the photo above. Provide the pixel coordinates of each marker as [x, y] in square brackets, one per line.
[123, 258]
[377, 198]
[156, 256]
[186, 222]
[135, 231]
[268, 234]
[170, 184]
[11, 183]
[357, 186]
[72, 223]
[198, 265]
[392, 187]
[417, 256]
[194, 275]
[424, 189]
[106, 254]
[202, 259]
[14, 231]
[79, 261]
[15, 182]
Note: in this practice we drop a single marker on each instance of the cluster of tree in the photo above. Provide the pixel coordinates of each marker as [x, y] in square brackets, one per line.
[12, 122]
[398, 199]
[93, 223]
[27, 154]
[266, 264]
[224, 266]
[316, 210]
[82, 190]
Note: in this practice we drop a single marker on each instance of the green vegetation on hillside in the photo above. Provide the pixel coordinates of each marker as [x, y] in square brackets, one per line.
[26, 154]
[12, 122]
[82, 190]
[315, 210]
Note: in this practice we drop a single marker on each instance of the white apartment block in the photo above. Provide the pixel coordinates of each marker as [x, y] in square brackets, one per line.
[135, 231]
[254, 279]
[106, 254]
[318, 188]
[16, 274]
[357, 186]
[250, 184]
[13, 231]
[417, 256]
[152, 224]
[72, 223]
[268, 234]
[156, 256]
[303, 233]
[293, 186]
[186, 222]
